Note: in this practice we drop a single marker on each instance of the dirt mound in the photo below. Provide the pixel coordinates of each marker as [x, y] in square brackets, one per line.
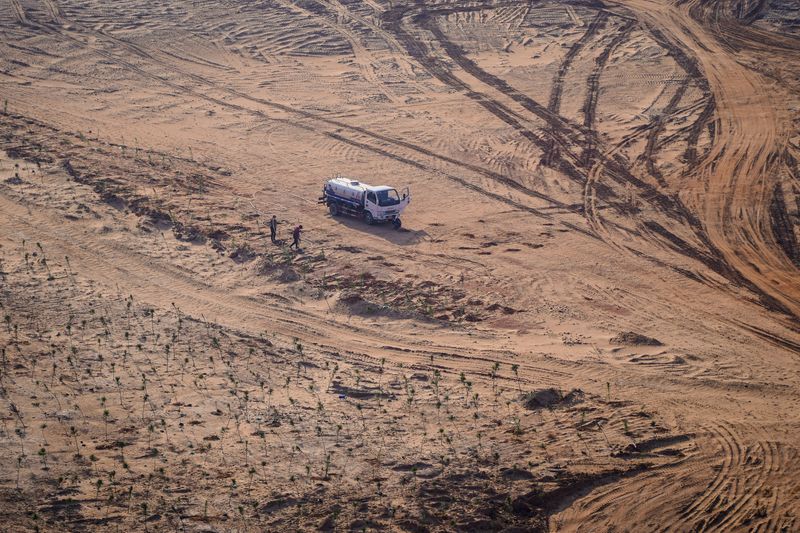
[354, 304]
[282, 272]
[629, 338]
[551, 398]
[243, 253]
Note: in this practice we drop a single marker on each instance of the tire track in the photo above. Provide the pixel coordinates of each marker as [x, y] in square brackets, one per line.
[159, 283]
[590, 196]
[19, 12]
[682, 132]
[772, 338]
[138, 51]
[566, 133]
[363, 57]
[613, 168]
[659, 123]
[731, 461]
[562, 133]
[619, 175]
[740, 172]
[732, 27]
[590, 157]
[690, 155]
[718, 258]
[593, 91]
[599, 22]
[655, 490]
[389, 39]
[731, 497]
[782, 226]
[132, 271]
[762, 457]
[54, 9]
[471, 186]
[690, 65]
[570, 168]
[593, 83]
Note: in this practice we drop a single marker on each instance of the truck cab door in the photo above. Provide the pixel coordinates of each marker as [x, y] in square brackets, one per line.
[371, 203]
[405, 198]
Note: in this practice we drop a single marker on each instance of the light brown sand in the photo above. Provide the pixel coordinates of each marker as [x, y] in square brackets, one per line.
[605, 201]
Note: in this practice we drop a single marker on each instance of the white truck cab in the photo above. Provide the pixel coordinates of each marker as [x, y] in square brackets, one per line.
[372, 203]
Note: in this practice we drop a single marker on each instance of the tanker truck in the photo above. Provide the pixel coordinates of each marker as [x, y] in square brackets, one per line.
[374, 204]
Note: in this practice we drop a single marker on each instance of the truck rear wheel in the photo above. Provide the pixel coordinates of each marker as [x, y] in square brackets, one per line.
[334, 210]
[368, 218]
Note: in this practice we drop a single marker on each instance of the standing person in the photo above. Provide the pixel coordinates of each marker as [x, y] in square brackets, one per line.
[273, 228]
[296, 235]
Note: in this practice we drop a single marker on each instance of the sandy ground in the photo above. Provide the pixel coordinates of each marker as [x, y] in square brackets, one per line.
[589, 321]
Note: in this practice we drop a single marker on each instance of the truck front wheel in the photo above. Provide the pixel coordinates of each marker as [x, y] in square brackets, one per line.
[396, 223]
[368, 218]
[334, 209]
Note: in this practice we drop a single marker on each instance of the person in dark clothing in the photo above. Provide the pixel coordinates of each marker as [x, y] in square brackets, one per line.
[273, 228]
[296, 236]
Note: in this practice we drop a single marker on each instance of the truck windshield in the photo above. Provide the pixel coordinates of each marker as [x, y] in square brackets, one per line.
[388, 197]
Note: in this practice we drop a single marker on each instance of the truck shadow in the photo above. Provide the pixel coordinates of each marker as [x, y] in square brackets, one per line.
[402, 237]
